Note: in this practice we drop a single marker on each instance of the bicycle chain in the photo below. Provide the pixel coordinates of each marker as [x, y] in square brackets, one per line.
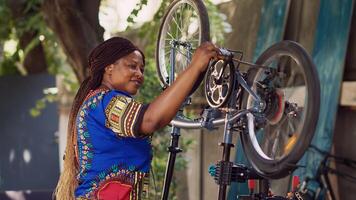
[298, 196]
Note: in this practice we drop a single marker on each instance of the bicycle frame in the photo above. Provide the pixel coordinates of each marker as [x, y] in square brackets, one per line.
[240, 82]
[228, 121]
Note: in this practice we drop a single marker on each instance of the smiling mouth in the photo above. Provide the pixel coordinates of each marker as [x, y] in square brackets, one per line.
[138, 83]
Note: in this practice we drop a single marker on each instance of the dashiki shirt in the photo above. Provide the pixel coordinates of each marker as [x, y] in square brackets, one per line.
[114, 159]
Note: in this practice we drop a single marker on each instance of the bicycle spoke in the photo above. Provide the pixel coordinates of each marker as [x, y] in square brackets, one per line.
[291, 121]
[187, 22]
[190, 13]
[169, 34]
[183, 54]
[169, 29]
[178, 28]
[181, 17]
[181, 20]
[275, 144]
[176, 21]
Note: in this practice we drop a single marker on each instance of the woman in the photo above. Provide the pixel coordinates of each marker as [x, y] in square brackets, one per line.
[108, 151]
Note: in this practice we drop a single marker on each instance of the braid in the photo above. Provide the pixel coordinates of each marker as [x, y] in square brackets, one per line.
[67, 180]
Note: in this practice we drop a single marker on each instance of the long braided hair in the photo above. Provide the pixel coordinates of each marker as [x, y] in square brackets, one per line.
[101, 56]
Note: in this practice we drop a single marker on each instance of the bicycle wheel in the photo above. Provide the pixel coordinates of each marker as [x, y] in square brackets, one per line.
[284, 128]
[186, 23]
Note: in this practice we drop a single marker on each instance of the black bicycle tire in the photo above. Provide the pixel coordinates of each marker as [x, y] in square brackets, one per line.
[280, 168]
[205, 29]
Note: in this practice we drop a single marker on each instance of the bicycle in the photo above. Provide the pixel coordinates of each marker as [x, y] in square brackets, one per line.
[280, 92]
[325, 189]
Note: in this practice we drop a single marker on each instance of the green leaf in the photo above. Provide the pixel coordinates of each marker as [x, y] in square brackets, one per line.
[144, 2]
[134, 12]
[41, 104]
[130, 20]
[34, 112]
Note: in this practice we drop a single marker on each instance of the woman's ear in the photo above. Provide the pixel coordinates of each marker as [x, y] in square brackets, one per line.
[108, 69]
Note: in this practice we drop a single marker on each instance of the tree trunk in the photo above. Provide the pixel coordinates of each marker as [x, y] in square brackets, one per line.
[76, 24]
[35, 61]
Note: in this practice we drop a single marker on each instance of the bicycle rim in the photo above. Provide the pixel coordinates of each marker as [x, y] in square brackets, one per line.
[284, 128]
[185, 21]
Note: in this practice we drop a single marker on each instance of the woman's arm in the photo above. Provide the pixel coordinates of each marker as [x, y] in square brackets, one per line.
[162, 110]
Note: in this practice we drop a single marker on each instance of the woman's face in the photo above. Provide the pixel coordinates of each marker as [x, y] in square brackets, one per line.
[126, 74]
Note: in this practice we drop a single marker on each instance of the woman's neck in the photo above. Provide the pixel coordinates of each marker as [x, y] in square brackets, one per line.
[106, 84]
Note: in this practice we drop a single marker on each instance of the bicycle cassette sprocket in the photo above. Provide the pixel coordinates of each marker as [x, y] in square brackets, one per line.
[219, 80]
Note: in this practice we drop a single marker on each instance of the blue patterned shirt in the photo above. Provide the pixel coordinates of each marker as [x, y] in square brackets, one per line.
[109, 145]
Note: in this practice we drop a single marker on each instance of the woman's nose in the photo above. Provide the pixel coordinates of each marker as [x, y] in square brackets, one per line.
[139, 72]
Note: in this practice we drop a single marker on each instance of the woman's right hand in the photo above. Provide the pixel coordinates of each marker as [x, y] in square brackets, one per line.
[163, 108]
[203, 54]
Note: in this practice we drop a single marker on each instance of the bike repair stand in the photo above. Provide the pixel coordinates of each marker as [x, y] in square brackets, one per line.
[173, 149]
[225, 166]
[226, 172]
